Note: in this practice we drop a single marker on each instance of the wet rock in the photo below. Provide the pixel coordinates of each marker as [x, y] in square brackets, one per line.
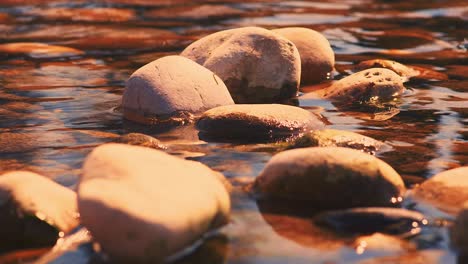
[257, 65]
[393, 221]
[376, 84]
[138, 139]
[400, 69]
[34, 210]
[330, 177]
[379, 245]
[337, 138]
[317, 57]
[170, 86]
[262, 121]
[39, 50]
[143, 205]
[447, 190]
[459, 231]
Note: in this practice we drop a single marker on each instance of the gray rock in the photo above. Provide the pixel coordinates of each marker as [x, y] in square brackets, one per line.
[317, 57]
[329, 178]
[447, 191]
[257, 65]
[34, 210]
[257, 121]
[138, 139]
[143, 205]
[172, 86]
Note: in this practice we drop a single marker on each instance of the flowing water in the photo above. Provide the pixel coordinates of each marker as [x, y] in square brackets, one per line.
[58, 102]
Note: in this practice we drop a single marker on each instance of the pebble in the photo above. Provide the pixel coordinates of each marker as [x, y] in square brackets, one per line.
[171, 86]
[317, 57]
[330, 178]
[138, 139]
[446, 191]
[376, 84]
[143, 205]
[257, 65]
[34, 209]
[256, 121]
[337, 138]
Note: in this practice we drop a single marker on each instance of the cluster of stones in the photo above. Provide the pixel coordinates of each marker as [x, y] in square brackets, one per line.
[143, 205]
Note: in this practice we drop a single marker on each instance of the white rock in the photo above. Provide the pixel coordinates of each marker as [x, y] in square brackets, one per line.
[143, 205]
[317, 57]
[257, 65]
[172, 84]
[330, 177]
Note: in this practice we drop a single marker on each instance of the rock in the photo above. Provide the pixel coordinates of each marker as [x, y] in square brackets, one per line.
[260, 121]
[171, 86]
[138, 139]
[376, 84]
[143, 205]
[400, 69]
[380, 245]
[368, 220]
[459, 231]
[317, 57]
[447, 190]
[257, 65]
[203, 12]
[337, 138]
[330, 178]
[33, 210]
[39, 50]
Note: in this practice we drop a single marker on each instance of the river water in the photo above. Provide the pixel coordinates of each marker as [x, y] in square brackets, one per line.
[58, 103]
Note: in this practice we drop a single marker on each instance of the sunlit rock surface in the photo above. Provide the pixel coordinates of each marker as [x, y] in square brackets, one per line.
[33, 210]
[145, 205]
[447, 190]
[400, 69]
[172, 86]
[317, 57]
[337, 138]
[257, 65]
[256, 121]
[330, 177]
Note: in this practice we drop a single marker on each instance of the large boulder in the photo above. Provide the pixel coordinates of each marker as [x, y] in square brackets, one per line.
[317, 57]
[447, 191]
[330, 177]
[257, 65]
[143, 205]
[172, 86]
[34, 210]
[256, 121]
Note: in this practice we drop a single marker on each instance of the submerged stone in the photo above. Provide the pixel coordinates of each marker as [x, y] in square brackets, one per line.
[33, 210]
[143, 205]
[172, 86]
[329, 178]
[138, 139]
[317, 57]
[40, 50]
[257, 121]
[400, 69]
[257, 65]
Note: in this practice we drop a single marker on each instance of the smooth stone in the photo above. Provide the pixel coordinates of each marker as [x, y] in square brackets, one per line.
[368, 220]
[34, 210]
[138, 139]
[400, 69]
[447, 191]
[172, 86]
[257, 65]
[256, 121]
[376, 84]
[330, 178]
[459, 231]
[143, 205]
[317, 57]
[337, 138]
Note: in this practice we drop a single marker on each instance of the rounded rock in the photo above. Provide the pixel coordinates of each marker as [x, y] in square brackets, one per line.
[447, 190]
[143, 205]
[317, 57]
[330, 178]
[377, 84]
[256, 121]
[169, 86]
[257, 65]
[400, 69]
[138, 139]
